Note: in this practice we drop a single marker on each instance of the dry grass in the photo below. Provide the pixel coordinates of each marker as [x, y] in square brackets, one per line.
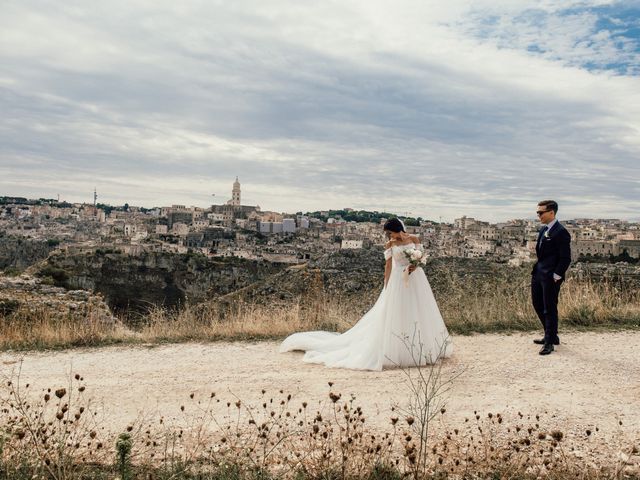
[498, 305]
[38, 328]
[55, 434]
[505, 304]
[48, 434]
[242, 321]
[591, 303]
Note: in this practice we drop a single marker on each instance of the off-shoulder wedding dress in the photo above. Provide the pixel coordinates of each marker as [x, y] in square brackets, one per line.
[403, 328]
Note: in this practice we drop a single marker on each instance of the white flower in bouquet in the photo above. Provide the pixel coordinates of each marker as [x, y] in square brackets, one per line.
[414, 256]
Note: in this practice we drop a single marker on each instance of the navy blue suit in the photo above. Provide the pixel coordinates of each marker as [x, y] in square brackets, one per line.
[553, 250]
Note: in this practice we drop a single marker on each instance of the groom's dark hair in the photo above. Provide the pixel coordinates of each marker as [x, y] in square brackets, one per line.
[394, 225]
[549, 205]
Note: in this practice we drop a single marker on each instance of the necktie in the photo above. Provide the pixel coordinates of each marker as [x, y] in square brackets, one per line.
[544, 230]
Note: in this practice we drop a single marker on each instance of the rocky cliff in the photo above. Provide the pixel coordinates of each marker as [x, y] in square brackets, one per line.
[133, 283]
[355, 277]
[18, 253]
[163, 279]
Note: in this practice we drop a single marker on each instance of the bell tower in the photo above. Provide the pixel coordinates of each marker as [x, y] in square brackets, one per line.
[235, 193]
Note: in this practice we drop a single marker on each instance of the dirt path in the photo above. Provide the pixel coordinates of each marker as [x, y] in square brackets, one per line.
[592, 378]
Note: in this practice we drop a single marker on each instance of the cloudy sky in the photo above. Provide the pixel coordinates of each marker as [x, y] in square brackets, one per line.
[432, 108]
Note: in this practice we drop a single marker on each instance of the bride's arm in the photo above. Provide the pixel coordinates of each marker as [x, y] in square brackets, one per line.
[387, 271]
[388, 261]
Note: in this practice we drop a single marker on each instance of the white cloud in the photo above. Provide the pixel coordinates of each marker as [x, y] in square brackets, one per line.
[403, 106]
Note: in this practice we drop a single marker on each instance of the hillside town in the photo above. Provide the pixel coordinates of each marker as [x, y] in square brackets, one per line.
[247, 231]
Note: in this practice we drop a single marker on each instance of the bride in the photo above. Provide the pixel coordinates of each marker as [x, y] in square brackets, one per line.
[403, 328]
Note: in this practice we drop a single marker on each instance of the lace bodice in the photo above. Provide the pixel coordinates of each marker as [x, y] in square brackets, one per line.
[397, 253]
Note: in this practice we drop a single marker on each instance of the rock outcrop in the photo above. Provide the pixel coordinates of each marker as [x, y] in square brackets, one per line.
[33, 298]
[134, 283]
[18, 253]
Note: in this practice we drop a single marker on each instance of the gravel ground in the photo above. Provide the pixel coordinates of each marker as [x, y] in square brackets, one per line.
[593, 379]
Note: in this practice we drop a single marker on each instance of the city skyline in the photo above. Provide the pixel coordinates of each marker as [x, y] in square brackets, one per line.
[471, 108]
[292, 213]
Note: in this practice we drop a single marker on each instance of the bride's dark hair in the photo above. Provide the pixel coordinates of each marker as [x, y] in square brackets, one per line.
[394, 225]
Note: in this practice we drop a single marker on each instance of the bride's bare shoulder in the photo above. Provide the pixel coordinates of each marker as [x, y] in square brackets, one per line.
[414, 238]
[389, 244]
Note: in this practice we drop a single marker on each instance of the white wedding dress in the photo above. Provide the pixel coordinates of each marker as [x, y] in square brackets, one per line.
[403, 328]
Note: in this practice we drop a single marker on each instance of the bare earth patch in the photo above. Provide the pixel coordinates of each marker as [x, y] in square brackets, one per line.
[593, 379]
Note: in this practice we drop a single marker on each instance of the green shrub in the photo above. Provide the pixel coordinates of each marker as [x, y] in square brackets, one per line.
[123, 456]
[8, 306]
[58, 275]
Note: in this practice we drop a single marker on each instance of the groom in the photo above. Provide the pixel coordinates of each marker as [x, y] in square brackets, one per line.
[553, 250]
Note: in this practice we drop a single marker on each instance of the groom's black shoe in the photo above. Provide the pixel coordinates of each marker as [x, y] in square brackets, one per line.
[540, 341]
[547, 349]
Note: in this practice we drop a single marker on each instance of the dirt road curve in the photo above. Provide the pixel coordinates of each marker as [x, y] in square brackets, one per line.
[592, 378]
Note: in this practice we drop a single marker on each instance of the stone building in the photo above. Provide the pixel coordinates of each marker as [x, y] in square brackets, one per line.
[590, 248]
[235, 194]
[289, 225]
[351, 244]
[632, 247]
[464, 222]
[234, 209]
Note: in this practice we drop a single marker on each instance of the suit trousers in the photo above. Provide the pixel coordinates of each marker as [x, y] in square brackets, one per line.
[544, 296]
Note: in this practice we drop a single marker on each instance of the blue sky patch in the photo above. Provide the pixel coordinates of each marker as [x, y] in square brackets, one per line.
[602, 38]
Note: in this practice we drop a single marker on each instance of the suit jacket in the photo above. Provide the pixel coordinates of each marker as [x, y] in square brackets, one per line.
[553, 250]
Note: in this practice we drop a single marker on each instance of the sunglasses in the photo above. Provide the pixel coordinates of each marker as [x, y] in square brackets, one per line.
[540, 212]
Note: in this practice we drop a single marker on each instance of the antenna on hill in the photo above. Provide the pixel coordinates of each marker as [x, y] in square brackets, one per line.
[95, 196]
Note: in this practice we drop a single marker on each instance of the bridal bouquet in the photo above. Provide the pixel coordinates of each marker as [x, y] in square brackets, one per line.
[416, 258]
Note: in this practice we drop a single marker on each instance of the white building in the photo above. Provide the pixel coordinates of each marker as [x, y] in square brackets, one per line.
[180, 228]
[129, 229]
[197, 213]
[265, 227]
[200, 224]
[464, 222]
[488, 232]
[242, 222]
[476, 247]
[303, 222]
[351, 244]
[289, 225]
[216, 217]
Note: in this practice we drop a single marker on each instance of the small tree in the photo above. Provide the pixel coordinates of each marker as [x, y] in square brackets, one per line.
[428, 387]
